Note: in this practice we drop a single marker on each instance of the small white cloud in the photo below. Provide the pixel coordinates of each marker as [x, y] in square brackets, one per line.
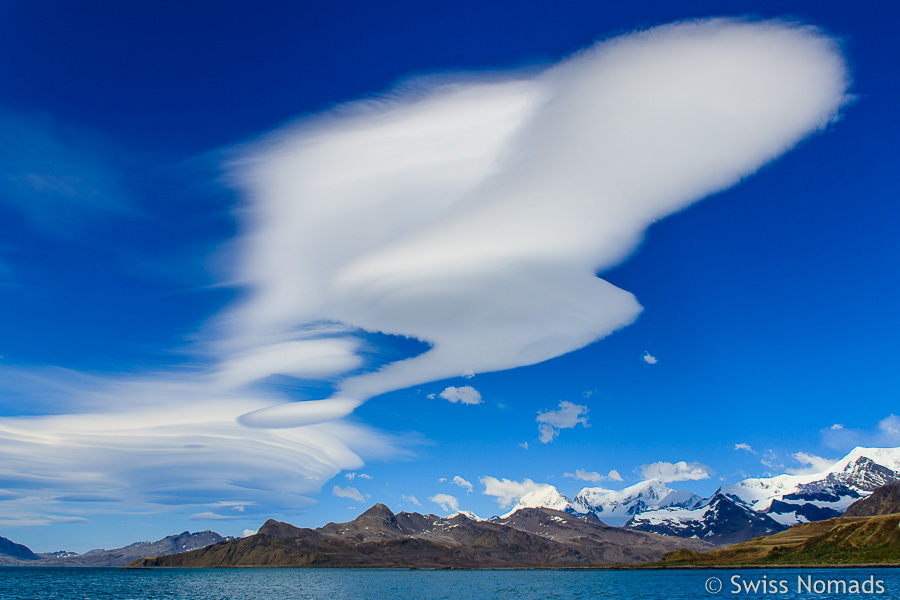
[567, 416]
[411, 499]
[593, 476]
[462, 483]
[649, 358]
[350, 476]
[238, 506]
[506, 491]
[348, 492]
[249, 532]
[523, 445]
[813, 463]
[680, 471]
[770, 460]
[208, 516]
[743, 446]
[430, 396]
[364, 476]
[442, 480]
[464, 395]
[885, 434]
[446, 501]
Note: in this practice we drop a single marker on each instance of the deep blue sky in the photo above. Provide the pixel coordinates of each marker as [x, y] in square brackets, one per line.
[771, 307]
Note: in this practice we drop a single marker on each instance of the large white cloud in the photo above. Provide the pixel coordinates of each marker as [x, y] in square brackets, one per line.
[474, 215]
[471, 215]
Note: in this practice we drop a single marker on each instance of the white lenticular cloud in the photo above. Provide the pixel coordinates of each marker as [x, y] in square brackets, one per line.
[475, 215]
[472, 215]
[680, 471]
[158, 447]
[464, 395]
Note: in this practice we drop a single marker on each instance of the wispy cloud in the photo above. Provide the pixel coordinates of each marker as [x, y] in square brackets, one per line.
[209, 516]
[745, 447]
[348, 492]
[58, 176]
[649, 358]
[567, 416]
[136, 444]
[811, 462]
[466, 485]
[679, 471]
[411, 499]
[770, 459]
[885, 433]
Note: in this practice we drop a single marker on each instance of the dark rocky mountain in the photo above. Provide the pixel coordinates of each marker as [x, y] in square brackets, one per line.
[380, 538]
[720, 520]
[118, 557]
[10, 550]
[883, 501]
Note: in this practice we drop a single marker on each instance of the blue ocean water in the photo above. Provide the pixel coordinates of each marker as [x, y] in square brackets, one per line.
[22, 583]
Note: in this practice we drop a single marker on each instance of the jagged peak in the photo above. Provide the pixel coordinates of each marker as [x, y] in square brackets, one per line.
[378, 511]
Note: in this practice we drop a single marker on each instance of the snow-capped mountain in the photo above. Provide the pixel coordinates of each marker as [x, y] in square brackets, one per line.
[792, 499]
[784, 500]
[467, 514]
[546, 497]
[719, 520]
[615, 507]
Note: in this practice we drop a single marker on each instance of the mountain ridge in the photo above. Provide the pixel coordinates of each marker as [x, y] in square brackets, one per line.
[380, 538]
[116, 557]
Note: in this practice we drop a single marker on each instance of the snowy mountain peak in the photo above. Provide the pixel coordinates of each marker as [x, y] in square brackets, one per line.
[886, 457]
[546, 496]
[465, 513]
[858, 473]
[784, 499]
[620, 505]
